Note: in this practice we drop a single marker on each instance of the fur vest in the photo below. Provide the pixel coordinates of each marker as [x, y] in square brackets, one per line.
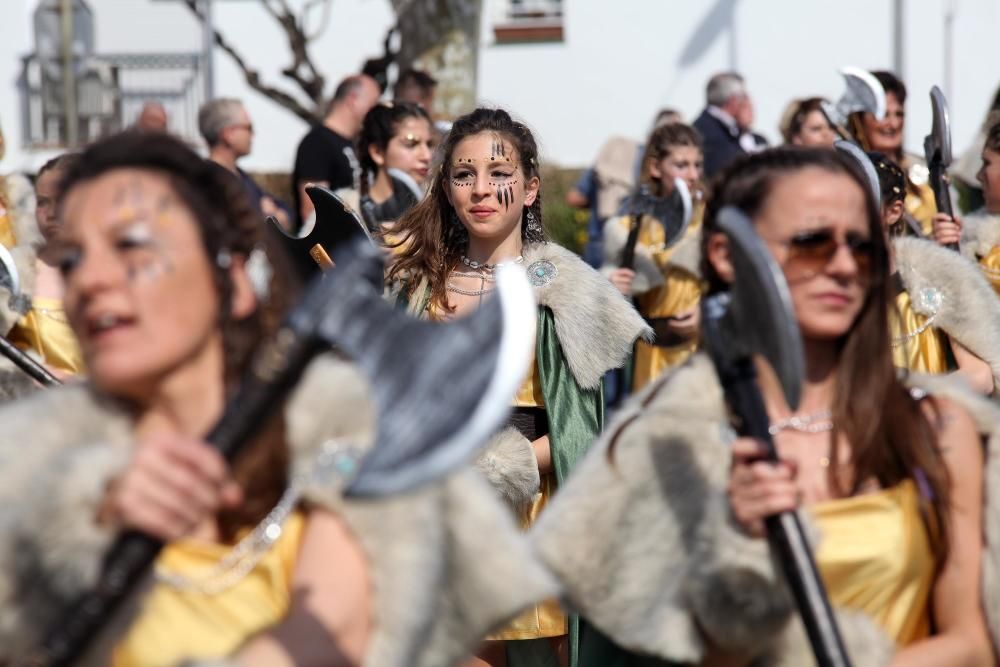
[953, 291]
[439, 581]
[980, 234]
[642, 540]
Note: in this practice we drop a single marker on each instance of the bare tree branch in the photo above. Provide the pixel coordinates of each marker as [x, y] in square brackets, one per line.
[310, 81]
[252, 76]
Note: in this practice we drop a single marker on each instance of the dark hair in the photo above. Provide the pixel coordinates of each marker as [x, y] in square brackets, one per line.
[891, 83]
[413, 80]
[796, 116]
[993, 133]
[228, 223]
[427, 243]
[891, 438]
[891, 180]
[378, 128]
[59, 163]
[661, 142]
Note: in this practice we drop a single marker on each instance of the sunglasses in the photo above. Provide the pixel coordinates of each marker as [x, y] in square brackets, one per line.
[809, 253]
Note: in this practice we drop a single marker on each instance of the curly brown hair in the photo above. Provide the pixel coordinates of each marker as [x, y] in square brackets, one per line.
[428, 243]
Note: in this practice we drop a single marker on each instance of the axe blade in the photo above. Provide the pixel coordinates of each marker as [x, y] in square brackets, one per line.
[10, 279]
[859, 157]
[862, 92]
[662, 209]
[755, 317]
[441, 388]
[937, 144]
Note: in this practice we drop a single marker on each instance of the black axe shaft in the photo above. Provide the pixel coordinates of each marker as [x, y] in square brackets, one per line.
[37, 371]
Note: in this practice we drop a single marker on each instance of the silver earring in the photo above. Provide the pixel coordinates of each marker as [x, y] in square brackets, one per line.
[532, 223]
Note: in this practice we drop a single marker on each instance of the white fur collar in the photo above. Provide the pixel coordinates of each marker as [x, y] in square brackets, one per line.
[980, 234]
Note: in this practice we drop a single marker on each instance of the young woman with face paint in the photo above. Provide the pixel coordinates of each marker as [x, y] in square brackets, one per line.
[665, 283]
[482, 211]
[170, 289]
[670, 506]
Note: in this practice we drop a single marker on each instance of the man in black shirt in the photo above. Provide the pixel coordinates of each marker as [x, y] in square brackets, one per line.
[326, 154]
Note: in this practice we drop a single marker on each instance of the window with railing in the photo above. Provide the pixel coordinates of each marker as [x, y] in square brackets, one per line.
[530, 21]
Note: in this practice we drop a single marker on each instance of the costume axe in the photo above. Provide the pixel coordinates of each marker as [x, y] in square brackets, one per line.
[937, 152]
[10, 280]
[862, 93]
[440, 391]
[334, 224]
[754, 318]
[642, 203]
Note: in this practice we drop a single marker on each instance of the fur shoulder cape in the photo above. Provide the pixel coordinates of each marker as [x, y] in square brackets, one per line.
[595, 324]
[440, 582]
[949, 288]
[980, 234]
[684, 255]
[643, 544]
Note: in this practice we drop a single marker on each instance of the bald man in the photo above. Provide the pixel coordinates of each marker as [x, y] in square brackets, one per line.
[152, 117]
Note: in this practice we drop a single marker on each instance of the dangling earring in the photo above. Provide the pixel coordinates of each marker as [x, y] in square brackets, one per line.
[531, 222]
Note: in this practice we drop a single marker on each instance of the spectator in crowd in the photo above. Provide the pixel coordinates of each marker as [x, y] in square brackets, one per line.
[726, 121]
[326, 154]
[805, 124]
[152, 117]
[226, 127]
[417, 86]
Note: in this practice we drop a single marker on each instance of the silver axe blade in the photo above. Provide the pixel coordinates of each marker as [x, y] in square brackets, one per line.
[862, 92]
[937, 151]
[854, 152]
[755, 317]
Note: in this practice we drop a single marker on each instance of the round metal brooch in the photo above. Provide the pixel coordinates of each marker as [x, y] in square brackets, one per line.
[929, 301]
[542, 272]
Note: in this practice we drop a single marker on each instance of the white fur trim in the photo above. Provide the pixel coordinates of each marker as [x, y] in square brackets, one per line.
[595, 324]
[980, 234]
[508, 463]
[970, 310]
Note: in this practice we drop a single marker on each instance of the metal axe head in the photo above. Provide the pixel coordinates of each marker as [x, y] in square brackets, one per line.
[755, 316]
[853, 152]
[937, 144]
[441, 389]
[673, 219]
[862, 92]
[10, 280]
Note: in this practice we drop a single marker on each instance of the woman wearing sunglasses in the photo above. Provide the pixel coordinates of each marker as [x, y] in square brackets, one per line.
[658, 537]
[935, 290]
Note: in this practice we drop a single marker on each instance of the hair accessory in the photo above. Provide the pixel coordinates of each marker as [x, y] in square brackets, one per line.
[224, 258]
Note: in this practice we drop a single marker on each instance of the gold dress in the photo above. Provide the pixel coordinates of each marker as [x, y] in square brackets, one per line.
[916, 344]
[46, 330]
[7, 238]
[876, 557]
[545, 619]
[680, 292]
[174, 624]
[919, 201]
[990, 265]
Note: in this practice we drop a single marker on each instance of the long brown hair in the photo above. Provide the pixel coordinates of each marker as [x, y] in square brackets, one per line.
[228, 223]
[890, 436]
[428, 239]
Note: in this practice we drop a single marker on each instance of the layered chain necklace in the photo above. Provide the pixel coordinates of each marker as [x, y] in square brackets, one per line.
[812, 423]
[486, 273]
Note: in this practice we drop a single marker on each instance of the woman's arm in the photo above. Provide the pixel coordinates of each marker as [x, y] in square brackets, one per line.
[962, 638]
[329, 620]
[543, 454]
[976, 371]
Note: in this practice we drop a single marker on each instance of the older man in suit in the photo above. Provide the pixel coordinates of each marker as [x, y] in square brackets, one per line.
[725, 123]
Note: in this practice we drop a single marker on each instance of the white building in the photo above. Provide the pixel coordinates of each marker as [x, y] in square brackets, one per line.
[616, 63]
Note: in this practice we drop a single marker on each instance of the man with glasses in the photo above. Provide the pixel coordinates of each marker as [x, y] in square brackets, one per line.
[725, 123]
[225, 125]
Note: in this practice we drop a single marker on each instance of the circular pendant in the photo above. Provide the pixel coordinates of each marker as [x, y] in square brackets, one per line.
[542, 272]
[929, 301]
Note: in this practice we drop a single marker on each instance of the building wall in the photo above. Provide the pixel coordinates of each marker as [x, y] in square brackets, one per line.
[619, 61]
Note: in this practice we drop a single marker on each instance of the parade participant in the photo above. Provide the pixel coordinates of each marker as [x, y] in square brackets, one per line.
[326, 156]
[933, 286]
[225, 126]
[979, 232]
[154, 246]
[395, 145]
[417, 87]
[483, 210]
[725, 124]
[666, 282]
[805, 124]
[16, 202]
[44, 329]
[886, 136]
[658, 535]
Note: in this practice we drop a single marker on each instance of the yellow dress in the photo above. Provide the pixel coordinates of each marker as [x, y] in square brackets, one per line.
[990, 265]
[174, 624]
[680, 292]
[7, 238]
[919, 201]
[923, 352]
[545, 619]
[46, 330]
[876, 557]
